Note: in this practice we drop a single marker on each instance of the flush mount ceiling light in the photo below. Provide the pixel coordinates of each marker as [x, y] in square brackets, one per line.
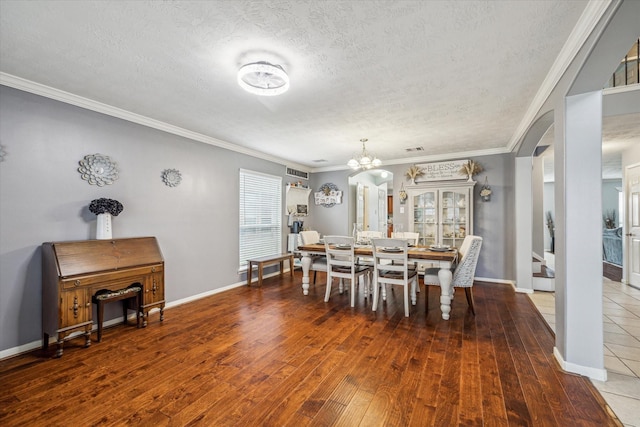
[262, 78]
[364, 160]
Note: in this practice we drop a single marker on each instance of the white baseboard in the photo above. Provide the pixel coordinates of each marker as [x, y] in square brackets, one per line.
[506, 282]
[593, 373]
[14, 351]
[489, 279]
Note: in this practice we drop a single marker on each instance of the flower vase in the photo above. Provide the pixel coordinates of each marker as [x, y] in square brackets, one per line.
[103, 226]
[470, 178]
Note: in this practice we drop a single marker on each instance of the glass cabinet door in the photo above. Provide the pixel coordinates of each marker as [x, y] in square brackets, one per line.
[454, 205]
[425, 217]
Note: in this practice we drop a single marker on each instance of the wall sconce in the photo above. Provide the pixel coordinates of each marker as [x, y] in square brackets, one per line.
[485, 191]
[403, 195]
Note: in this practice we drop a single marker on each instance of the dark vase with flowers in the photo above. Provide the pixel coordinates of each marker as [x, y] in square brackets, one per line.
[105, 209]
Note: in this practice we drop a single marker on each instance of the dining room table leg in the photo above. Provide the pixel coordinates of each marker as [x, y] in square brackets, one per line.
[445, 277]
[306, 266]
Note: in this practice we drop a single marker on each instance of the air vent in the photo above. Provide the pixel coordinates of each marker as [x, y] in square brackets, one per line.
[319, 161]
[296, 173]
[411, 150]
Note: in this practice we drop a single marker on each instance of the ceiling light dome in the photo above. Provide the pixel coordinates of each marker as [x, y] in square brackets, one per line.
[262, 78]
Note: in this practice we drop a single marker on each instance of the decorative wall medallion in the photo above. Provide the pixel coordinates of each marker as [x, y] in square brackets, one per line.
[98, 170]
[3, 153]
[171, 177]
[328, 196]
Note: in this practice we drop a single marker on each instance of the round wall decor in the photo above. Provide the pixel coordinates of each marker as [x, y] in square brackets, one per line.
[98, 170]
[171, 177]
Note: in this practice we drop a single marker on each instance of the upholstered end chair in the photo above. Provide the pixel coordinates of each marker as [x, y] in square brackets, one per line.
[464, 272]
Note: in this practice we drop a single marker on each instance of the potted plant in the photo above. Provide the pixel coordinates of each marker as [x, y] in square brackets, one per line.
[552, 231]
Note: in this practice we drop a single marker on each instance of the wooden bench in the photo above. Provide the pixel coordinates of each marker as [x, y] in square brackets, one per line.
[132, 293]
[268, 260]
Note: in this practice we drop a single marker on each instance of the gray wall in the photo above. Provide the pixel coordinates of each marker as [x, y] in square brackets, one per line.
[493, 220]
[43, 198]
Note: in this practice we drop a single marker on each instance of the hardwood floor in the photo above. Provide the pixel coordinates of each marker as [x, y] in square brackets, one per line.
[271, 356]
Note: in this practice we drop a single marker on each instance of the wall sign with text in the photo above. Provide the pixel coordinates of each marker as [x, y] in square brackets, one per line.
[328, 196]
[441, 171]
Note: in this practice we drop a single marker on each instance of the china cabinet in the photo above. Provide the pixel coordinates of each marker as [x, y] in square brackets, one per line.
[442, 212]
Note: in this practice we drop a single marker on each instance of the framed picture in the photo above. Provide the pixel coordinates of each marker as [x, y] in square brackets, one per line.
[302, 209]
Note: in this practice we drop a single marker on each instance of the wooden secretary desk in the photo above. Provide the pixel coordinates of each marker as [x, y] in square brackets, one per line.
[72, 272]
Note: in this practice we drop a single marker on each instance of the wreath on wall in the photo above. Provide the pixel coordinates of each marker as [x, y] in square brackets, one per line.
[329, 195]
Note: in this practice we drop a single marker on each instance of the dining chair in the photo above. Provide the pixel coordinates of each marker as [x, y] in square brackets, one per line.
[367, 235]
[318, 262]
[463, 273]
[341, 264]
[411, 237]
[391, 267]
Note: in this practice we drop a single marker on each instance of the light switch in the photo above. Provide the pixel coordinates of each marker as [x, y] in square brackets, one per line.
[401, 209]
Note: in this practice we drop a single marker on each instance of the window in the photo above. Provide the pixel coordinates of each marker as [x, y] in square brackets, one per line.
[260, 215]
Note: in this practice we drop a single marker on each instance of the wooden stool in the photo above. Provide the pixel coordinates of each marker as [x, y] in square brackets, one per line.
[268, 260]
[103, 296]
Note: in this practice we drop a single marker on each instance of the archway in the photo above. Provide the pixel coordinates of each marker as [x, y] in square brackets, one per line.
[369, 208]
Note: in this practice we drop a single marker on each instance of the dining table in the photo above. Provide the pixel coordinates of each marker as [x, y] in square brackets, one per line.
[442, 259]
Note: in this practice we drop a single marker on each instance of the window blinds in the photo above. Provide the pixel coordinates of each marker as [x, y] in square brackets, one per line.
[260, 215]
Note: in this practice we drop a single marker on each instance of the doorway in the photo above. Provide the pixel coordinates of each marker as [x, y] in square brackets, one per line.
[369, 191]
[632, 235]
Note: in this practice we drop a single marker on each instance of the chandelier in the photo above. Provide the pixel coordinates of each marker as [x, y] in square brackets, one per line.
[262, 78]
[364, 160]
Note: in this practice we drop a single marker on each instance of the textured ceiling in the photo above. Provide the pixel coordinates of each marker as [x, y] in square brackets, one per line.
[448, 76]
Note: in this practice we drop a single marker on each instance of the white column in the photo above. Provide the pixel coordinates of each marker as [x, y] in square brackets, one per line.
[578, 201]
[524, 221]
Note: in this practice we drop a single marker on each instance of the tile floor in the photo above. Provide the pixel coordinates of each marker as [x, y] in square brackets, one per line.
[621, 317]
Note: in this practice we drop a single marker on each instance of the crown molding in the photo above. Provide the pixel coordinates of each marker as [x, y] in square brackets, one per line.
[422, 159]
[89, 104]
[584, 27]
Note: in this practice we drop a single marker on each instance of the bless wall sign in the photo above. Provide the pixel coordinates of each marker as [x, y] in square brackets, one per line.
[442, 171]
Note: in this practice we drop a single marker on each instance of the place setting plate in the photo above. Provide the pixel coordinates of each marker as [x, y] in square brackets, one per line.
[440, 248]
[392, 250]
